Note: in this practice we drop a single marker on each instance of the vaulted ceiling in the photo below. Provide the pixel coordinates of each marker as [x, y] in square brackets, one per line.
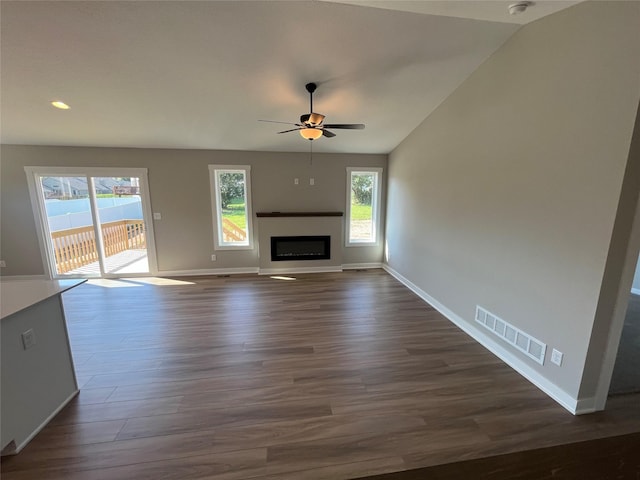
[183, 74]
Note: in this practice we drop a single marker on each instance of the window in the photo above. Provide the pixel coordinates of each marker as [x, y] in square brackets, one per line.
[231, 197]
[93, 221]
[363, 206]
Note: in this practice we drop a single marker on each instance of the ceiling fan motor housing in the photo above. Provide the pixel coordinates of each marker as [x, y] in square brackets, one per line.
[315, 119]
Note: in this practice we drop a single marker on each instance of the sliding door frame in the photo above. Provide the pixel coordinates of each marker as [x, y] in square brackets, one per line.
[40, 216]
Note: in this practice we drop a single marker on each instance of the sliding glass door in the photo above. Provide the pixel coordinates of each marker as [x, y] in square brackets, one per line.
[122, 225]
[93, 224]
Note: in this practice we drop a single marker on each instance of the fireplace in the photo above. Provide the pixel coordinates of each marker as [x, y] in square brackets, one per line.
[297, 239]
[301, 248]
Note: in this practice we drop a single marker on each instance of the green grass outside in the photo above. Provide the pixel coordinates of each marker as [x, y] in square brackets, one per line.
[361, 212]
[235, 213]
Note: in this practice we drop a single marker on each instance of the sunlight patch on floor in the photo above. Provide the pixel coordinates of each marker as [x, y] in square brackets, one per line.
[279, 277]
[159, 281]
[135, 282]
[111, 283]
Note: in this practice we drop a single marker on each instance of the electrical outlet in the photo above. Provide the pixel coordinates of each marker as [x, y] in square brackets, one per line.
[556, 357]
[312, 181]
[296, 181]
[3, 264]
[157, 216]
[213, 258]
[28, 339]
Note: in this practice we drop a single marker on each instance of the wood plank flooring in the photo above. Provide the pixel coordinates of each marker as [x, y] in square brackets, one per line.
[328, 376]
[611, 458]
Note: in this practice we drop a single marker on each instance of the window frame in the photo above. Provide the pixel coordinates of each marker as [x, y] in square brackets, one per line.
[216, 206]
[33, 173]
[375, 207]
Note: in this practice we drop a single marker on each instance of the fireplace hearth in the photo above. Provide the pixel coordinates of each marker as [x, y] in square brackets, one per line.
[300, 248]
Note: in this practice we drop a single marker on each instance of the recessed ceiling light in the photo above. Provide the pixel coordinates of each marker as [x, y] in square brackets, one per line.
[518, 8]
[60, 105]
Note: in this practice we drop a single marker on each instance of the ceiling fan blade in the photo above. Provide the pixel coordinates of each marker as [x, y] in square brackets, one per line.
[286, 123]
[327, 133]
[348, 126]
[292, 130]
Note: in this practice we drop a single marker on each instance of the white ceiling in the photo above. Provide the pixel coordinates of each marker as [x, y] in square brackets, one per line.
[490, 10]
[181, 74]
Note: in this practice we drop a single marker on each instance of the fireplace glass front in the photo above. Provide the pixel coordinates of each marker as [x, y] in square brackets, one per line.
[300, 248]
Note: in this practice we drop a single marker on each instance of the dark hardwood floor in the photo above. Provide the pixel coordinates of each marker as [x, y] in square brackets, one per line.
[329, 376]
[626, 372]
[610, 458]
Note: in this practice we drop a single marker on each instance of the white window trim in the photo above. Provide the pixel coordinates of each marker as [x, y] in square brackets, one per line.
[39, 210]
[216, 208]
[375, 207]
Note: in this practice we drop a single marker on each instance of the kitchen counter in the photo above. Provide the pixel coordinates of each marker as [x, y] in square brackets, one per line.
[38, 377]
[16, 295]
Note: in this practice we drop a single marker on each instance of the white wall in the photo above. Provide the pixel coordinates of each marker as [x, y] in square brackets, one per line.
[509, 190]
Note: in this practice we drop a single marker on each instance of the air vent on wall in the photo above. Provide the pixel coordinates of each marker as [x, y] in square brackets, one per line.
[522, 341]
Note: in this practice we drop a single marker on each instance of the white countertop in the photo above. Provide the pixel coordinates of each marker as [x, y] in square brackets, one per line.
[16, 295]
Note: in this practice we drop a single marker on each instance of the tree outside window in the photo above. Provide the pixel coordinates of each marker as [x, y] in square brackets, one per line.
[231, 189]
[362, 206]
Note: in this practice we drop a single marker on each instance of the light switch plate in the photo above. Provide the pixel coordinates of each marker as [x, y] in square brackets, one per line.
[28, 339]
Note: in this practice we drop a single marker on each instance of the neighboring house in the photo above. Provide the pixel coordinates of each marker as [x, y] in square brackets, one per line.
[70, 187]
[55, 187]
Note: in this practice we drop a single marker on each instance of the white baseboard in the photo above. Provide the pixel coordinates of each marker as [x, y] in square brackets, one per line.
[573, 405]
[43, 424]
[207, 271]
[585, 405]
[24, 277]
[635, 291]
[360, 266]
[294, 270]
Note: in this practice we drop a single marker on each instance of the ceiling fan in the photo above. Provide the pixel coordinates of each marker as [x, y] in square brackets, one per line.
[311, 126]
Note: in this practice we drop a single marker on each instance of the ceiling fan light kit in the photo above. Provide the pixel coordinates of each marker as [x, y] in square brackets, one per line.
[311, 126]
[311, 133]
